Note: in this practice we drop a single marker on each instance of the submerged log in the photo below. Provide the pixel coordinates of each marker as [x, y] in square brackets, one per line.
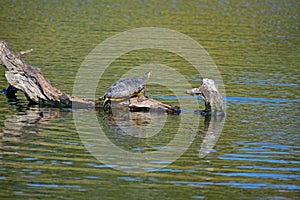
[31, 81]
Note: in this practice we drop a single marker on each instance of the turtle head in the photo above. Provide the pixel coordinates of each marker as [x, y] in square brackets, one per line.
[146, 75]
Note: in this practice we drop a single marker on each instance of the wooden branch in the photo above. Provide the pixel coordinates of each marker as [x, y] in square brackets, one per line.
[31, 81]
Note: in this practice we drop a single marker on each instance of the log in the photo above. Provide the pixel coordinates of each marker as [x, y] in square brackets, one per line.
[143, 102]
[31, 81]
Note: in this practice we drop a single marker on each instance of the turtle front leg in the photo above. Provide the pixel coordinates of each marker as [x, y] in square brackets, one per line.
[145, 93]
[141, 95]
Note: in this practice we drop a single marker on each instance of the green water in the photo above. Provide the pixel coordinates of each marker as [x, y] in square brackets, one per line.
[256, 48]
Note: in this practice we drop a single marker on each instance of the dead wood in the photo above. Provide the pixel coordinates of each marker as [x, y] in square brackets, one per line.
[146, 102]
[37, 88]
[211, 96]
[31, 81]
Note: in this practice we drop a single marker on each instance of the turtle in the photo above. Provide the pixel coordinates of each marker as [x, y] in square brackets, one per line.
[126, 88]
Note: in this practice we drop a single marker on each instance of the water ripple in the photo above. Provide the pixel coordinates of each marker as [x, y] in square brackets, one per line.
[260, 175]
[259, 160]
[294, 169]
[50, 185]
[235, 184]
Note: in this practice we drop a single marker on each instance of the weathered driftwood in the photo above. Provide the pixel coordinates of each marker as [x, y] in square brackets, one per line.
[30, 80]
[211, 96]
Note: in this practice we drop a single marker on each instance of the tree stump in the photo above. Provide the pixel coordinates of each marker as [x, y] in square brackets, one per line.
[211, 96]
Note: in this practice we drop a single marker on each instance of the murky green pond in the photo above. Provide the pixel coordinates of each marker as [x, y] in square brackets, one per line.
[255, 45]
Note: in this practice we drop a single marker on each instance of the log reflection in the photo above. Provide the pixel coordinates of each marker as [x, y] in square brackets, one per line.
[121, 122]
[26, 121]
[135, 124]
[211, 133]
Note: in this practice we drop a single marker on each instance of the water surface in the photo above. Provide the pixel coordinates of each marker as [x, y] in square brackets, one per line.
[256, 48]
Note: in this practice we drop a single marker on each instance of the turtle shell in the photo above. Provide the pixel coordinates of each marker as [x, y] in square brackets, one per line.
[125, 88]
